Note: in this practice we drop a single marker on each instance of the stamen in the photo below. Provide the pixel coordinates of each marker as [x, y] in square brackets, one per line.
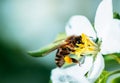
[86, 47]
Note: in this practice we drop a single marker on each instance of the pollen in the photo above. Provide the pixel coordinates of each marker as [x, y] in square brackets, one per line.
[68, 59]
[86, 47]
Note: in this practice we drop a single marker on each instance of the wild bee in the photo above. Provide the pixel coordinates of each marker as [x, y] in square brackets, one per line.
[77, 46]
[64, 51]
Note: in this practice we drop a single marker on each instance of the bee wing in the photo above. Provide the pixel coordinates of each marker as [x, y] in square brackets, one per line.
[46, 50]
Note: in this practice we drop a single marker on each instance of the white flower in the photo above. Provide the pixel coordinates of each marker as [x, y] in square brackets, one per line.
[107, 28]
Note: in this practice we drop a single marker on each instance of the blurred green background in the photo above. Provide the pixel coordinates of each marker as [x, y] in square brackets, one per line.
[30, 24]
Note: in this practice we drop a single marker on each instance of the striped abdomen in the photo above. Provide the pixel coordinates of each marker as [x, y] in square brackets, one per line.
[65, 50]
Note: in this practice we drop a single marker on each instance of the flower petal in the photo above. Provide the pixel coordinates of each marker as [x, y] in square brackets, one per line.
[82, 69]
[60, 76]
[79, 24]
[103, 18]
[76, 73]
[111, 40]
[97, 68]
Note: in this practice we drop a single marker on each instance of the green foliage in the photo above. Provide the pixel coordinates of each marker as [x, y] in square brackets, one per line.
[110, 59]
[112, 77]
[116, 80]
[109, 77]
[102, 77]
[50, 81]
[49, 48]
[116, 15]
[113, 56]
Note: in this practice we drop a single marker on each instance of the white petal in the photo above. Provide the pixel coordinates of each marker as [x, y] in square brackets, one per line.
[59, 75]
[97, 68]
[103, 18]
[82, 69]
[111, 40]
[107, 28]
[76, 73]
[78, 25]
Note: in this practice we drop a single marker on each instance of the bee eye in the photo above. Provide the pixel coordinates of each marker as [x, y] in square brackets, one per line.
[78, 40]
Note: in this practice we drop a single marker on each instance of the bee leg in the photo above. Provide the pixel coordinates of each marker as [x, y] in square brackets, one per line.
[75, 61]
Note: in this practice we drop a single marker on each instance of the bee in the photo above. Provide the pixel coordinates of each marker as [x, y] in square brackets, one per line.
[73, 45]
[64, 51]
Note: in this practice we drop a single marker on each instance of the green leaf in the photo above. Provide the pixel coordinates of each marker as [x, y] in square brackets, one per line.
[49, 48]
[116, 80]
[109, 77]
[45, 50]
[116, 15]
[102, 77]
[50, 81]
[113, 56]
[112, 77]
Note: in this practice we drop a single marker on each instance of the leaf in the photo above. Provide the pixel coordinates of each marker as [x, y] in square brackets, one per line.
[112, 77]
[50, 81]
[113, 56]
[49, 48]
[109, 77]
[45, 50]
[102, 77]
[116, 15]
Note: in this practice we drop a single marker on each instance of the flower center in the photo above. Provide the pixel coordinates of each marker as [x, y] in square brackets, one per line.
[87, 47]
